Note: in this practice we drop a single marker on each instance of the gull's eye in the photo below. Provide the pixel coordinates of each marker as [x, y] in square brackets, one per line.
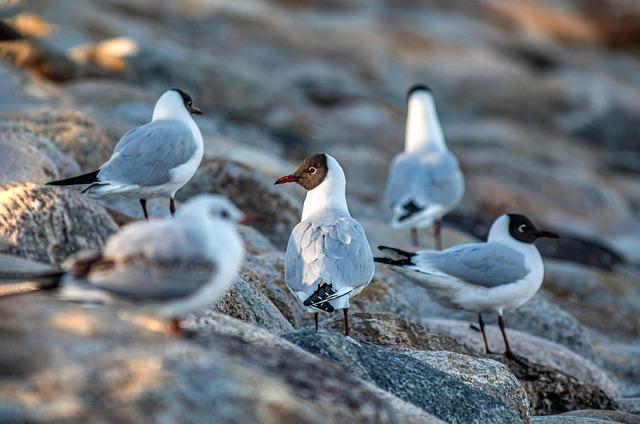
[189, 103]
[224, 214]
[522, 228]
[312, 170]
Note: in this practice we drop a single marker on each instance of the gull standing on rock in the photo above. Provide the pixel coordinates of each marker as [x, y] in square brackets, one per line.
[328, 258]
[499, 275]
[425, 181]
[153, 160]
[166, 267]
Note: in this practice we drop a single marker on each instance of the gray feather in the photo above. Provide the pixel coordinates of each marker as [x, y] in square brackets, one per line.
[425, 179]
[483, 264]
[145, 155]
[330, 250]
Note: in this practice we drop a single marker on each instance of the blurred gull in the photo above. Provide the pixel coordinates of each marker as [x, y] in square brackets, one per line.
[499, 275]
[153, 160]
[328, 259]
[167, 267]
[425, 181]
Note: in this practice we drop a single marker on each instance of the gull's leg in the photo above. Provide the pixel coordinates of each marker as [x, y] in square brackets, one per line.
[508, 352]
[172, 206]
[484, 335]
[315, 318]
[437, 233]
[143, 203]
[345, 311]
[174, 328]
[414, 237]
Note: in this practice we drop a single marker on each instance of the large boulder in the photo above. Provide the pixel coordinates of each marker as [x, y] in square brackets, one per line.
[557, 379]
[68, 363]
[454, 387]
[49, 224]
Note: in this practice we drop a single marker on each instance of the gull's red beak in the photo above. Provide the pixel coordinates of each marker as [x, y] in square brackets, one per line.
[287, 179]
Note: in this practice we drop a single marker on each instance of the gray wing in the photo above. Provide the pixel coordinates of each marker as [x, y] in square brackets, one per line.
[331, 250]
[425, 180]
[145, 155]
[148, 280]
[484, 264]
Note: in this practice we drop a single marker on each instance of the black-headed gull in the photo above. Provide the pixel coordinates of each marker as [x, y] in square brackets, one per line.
[164, 267]
[499, 275]
[425, 181]
[153, 160]
[328, 258]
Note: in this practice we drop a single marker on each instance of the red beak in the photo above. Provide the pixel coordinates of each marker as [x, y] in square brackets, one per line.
[249, 219]
[287, 179]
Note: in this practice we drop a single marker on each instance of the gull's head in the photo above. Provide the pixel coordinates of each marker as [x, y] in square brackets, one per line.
[174, 102]
[420, 98]
[513, 226]
[313, 171]
[212, 207]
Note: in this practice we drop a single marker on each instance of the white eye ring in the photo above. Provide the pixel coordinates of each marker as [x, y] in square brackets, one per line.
[522, 227]
[312, 170]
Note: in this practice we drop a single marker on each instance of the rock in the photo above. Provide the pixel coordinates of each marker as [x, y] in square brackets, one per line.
[591, 294]
[612, 416]
[558, 419]
[246, 303]
[76, 134]
[275, 215]
[557, 379]
[422, 379]
[136, 372]
[630, 404]
[254, 242]
[21, 161]
[49, 224]
[388, 331]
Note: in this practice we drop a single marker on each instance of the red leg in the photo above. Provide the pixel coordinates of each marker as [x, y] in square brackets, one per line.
[172, 206]
[174, 328]
[437, 233]
[484, 335]
[414, 237]
[508, 352]
[315, 318]
[143, 203]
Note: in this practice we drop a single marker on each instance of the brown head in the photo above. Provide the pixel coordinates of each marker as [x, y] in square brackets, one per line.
[310, 174]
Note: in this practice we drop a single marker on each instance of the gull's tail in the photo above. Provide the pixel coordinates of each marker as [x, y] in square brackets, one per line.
[90, 178]
[396, 257]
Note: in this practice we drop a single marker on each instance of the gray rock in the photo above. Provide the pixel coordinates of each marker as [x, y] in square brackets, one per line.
[613, 416]
[80, 364]
[557, 379]
[24, 162]
[424, 380]
[560, 419]
[49, 224]
[274, 213]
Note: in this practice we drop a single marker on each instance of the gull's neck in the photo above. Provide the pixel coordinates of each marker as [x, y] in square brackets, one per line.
[329, 196]
[423, 131]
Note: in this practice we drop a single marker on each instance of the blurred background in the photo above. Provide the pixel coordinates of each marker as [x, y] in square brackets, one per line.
[539, 99]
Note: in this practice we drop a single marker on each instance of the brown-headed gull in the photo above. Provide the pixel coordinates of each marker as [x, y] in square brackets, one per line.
[328, 258]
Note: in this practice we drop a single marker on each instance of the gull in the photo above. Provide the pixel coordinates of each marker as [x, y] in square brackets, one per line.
[493, 277]
[328, 258]
[164, 267]
[425, 181]
[153, 160]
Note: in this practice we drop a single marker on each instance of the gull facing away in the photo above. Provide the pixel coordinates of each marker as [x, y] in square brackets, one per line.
[499, 275]
[153, 160]
[425, 181]
[164, 267]
[328, 258]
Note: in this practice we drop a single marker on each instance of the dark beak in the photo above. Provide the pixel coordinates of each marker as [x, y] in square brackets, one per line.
[545, 234]
[287, 179]
[195, 110]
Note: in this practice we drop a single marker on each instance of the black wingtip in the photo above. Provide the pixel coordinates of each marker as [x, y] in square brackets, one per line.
[400, 252]
[91, 177]
[418, 87]
[394, 262]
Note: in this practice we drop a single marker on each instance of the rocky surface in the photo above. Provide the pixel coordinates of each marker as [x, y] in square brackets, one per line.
[539, 100]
